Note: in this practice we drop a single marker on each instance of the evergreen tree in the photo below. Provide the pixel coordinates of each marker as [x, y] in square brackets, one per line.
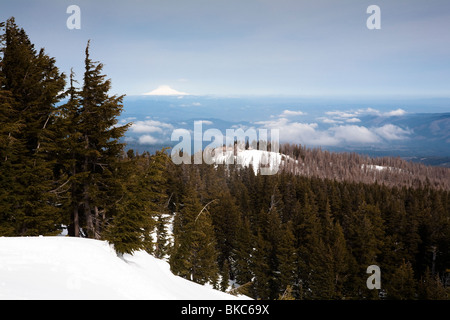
[287, 259]
[402, 285]
[315, 261]
[10, 126]
[30, 87]
[69, 149]
[225, 218]
[431, 288]
[140, 213]
[243, 252]
[194, 253]
[341, 259]
[260, 267]
[225, 276]
[365, 241]
[100, 188]
[157, 198]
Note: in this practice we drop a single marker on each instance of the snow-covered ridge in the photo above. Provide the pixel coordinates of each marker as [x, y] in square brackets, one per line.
[257, 158]
[59, 268]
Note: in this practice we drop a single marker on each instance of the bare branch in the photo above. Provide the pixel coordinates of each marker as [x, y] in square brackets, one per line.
[204, 208]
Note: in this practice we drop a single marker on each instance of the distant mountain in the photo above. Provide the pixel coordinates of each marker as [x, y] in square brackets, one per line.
[165, 91]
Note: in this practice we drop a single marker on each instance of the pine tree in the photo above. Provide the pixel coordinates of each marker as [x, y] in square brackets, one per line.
[402, 286]
[287, 259]
[431, 288]
[10, 126]
[341, 260]
[194, 254]
[100, 188]
[225, 217]
[68, 150]
[156, 182]
[260, 267]
[30, 87]
[315, 259]
[225, 276]
[243, 252]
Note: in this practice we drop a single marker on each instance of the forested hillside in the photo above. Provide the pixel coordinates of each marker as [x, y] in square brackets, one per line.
[313, 237]
[308, 232]
[344, 166]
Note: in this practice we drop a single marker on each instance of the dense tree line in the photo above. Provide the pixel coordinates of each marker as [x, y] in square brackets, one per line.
[315, 162]
[313, 237]
[289, 235]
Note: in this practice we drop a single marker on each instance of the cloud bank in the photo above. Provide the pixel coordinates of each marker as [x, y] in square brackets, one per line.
[334, 128]
[312, 134]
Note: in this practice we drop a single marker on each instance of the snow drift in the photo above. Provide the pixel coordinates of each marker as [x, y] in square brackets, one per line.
[60, 268]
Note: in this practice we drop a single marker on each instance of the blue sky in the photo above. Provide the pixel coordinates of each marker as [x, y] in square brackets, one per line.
[254, 47]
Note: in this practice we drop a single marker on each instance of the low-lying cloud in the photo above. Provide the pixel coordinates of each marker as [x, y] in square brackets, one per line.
[148, 139]
[149, 126]
[392, 132]
[312, 134]
[334, 128]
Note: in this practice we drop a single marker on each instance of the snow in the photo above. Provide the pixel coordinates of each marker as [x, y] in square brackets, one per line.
[374, 167]
[165, 91]
[60, 268]
[271, 160]
[380, 168]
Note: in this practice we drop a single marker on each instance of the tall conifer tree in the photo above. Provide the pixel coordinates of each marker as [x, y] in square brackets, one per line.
[100, 188]
[30, 89]
[194, 256]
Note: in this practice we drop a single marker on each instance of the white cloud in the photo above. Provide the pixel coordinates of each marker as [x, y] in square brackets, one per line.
[343, 129]
[395, 113]
[354, 134]
[193, 104]
[310, 134]
[289, 113]
[148, 139]
[305, 133]
[392, 132]
[181, 132]
[328, 120]
[342, 114]
[368, 111]
[352, 120]
[149, 126]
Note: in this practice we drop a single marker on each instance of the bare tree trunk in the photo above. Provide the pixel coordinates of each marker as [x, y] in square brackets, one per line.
[76, 220]
[76, 223]
[86, 199]
[88, 215]
[97, 224]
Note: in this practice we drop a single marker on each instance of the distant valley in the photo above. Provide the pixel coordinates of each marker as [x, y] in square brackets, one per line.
[377, 129]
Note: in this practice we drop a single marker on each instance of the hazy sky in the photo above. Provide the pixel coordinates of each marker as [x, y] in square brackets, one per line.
[229, 47]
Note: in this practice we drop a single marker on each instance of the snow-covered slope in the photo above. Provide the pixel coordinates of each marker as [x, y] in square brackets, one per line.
[74, 268]
[258, 158]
